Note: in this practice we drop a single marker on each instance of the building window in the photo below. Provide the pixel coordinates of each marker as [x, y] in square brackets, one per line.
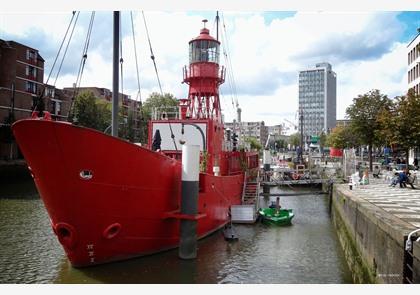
[31, 72]
[30, 87]
[56, 107]
[50, 92]
[31, 54]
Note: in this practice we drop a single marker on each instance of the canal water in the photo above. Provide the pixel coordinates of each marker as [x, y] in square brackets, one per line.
[306, 252]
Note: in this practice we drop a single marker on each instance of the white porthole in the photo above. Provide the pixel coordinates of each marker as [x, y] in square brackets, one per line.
[86, 174]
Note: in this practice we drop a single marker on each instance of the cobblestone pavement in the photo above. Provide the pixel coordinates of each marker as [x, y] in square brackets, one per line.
[403, 203]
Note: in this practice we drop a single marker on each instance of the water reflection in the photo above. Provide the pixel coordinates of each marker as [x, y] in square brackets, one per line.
[305, 252]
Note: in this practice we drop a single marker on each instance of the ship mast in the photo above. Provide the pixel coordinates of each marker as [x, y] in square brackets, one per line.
[115, 73]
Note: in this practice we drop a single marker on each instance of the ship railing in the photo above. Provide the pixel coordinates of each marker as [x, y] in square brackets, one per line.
[165, 113]
[244, 186]
[257, 192]
[203, 70]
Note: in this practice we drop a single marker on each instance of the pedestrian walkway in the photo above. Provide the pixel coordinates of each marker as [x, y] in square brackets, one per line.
[403, 203]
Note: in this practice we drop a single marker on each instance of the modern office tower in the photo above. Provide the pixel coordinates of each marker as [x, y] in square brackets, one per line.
[317, 100]
[413, 73]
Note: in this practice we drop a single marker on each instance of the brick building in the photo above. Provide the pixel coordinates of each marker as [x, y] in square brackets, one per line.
[21, 83]
[126, 104]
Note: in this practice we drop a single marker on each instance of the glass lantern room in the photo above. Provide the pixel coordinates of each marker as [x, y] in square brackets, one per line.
[204, 51]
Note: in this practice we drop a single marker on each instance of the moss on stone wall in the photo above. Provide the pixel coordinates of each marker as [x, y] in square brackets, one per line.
[362, 273]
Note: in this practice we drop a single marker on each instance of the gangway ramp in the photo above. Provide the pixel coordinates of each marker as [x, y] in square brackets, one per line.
[243, 213]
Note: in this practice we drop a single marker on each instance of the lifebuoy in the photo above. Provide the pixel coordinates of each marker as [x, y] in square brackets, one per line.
[295, 176]
[47, 116]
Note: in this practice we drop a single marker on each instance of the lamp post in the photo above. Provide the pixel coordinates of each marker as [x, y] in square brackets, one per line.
[301, 136]
[199, 129]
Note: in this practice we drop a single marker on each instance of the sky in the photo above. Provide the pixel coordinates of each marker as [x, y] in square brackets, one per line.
[265, 51]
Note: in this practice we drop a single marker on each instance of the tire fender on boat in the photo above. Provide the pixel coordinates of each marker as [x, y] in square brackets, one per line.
[295, 176]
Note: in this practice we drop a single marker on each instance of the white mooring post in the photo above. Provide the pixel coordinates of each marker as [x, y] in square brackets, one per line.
[266, 160]
[189, 201]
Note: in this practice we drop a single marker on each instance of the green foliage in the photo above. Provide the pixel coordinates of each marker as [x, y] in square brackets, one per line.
[401, 123]
[254, 143]
[364, 115]
[96, 113]
[203, 161]
[91, 112]
[407, 121]
[155, 100]
[294, 139]
[322, 139]
[342, 137]
[281, 143]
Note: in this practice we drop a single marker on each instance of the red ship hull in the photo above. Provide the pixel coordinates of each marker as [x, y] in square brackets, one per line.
[125, 206]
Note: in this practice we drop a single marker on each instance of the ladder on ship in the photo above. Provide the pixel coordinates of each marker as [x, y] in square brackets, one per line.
[247, 211]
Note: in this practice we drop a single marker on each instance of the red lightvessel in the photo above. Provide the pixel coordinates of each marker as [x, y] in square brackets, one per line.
[109, 199]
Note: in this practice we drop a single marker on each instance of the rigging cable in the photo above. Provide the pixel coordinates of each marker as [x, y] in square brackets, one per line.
[151, 53]
[157, 75]
[229, 80]
[121, 67]
[229, 62]
[52, 68]
[135, 55]
[61, 46]
[85, 50]
[138, 97]
[67, 47]
[82, 63]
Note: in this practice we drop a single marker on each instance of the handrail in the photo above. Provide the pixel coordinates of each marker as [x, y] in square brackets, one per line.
[408, 243]
[257, 191]
[244, 187]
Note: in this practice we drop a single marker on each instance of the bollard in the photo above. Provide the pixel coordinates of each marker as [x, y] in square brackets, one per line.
[266, 160]
[266, 190]
[189, 201]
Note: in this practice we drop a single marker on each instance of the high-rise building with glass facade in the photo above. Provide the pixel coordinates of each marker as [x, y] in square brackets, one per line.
[317, 100]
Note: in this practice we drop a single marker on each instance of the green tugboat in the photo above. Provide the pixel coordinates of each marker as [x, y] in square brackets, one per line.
[276, 216]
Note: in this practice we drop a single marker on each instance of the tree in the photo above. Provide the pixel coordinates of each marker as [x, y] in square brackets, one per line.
[165, 103]
[342, 137]
[364, 115]
[294, 139]
[280, 144]
[322, 140]
[254, 143]
[401, 124]
[91, 112]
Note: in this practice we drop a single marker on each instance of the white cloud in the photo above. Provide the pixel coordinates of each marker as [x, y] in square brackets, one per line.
[363, 49]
